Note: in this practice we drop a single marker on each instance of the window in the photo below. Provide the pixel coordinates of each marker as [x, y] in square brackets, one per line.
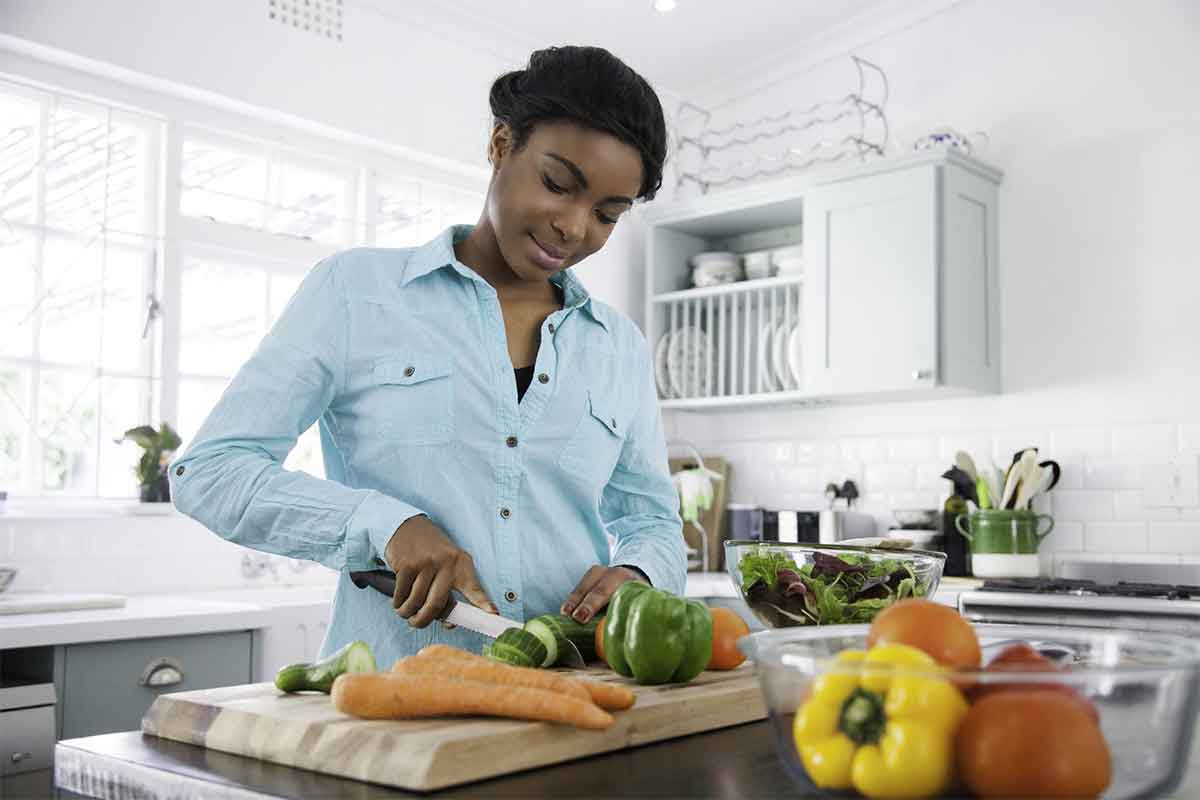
[94, 245]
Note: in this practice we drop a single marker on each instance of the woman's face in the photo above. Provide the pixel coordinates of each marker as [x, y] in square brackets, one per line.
[555, 201]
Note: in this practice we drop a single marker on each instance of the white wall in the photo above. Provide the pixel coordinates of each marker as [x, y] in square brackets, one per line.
[1093, 113]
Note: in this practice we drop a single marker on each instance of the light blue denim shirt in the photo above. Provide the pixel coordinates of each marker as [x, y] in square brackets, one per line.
[401, 356]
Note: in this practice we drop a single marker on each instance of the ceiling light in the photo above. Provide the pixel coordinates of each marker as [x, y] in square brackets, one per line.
[663, 6]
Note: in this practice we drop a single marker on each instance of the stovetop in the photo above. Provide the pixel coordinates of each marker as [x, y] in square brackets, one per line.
[1084, 588]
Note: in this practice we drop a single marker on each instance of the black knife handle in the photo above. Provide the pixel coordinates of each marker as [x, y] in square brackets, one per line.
[381, 580]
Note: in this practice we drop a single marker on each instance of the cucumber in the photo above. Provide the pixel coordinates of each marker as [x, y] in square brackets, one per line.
[555, 629]
[319, 676]
[518, 648]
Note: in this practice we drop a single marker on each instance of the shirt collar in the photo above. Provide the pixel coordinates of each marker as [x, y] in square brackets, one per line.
[439, 252]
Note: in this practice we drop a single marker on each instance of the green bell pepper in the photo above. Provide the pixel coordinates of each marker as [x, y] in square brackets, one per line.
[656, 637]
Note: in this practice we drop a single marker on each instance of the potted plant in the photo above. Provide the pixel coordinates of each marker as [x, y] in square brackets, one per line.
[158, 446]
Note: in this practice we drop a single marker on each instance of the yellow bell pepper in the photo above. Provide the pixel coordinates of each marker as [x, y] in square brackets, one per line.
[882, 732]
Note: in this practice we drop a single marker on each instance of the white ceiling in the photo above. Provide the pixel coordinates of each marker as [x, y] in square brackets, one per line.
[699, 44]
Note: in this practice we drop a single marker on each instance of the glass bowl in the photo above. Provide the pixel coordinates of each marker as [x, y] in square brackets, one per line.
[1144, 686]
[782, 606]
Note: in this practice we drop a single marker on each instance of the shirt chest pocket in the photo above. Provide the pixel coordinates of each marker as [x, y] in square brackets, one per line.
[591, 452]
[412, 398]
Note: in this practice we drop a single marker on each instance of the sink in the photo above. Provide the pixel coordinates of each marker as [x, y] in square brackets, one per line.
[42, 602]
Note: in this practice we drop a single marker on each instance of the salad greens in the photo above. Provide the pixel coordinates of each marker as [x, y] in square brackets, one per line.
[829, 590]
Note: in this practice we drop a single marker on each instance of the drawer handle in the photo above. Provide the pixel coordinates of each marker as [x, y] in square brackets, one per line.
[17, 758]
[162, 672]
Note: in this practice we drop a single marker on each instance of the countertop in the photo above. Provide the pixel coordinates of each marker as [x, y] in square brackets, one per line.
[145, 616]
[738, 762]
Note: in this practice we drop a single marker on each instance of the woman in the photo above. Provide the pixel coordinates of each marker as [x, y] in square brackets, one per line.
[483, 421]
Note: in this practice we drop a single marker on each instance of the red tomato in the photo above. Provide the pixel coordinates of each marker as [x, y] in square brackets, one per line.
[1021, 658]
[932, 627]
[728, 627]
[1032, 744]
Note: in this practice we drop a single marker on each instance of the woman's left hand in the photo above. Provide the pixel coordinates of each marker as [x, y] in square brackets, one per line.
[595, 588]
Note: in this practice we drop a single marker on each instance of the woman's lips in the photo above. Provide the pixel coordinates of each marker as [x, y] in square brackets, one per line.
[547, 259]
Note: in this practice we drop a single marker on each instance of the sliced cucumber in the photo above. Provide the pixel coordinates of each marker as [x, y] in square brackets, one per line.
[518, 648]
[556, 629]
[319, 676]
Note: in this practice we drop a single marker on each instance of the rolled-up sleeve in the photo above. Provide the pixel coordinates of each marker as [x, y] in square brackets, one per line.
[231, 477]
[640, 506]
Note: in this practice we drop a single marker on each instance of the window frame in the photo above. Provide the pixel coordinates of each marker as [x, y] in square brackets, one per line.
[173, 113]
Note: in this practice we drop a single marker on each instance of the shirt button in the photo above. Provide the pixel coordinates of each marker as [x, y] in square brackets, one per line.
[543, 378]
[408, 372]
[504, 512]
[179, 470]
[511, 441]
[510, 596]
[550, 327]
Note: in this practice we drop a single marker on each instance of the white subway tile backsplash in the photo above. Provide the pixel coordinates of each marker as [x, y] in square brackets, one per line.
[1082, 505]
[1079, 442]
[929, 477]
[1005, 445]
[1111, 473]
[864, 449]
[913, 500]
[1156, 439]
[1175, 537]
[802, 478]
[1066, 537]
[1115, 537]
[977, 445]
[1071, 476]
[1129, 505]
[1189, 438]
[912, 448]
[889, 476]
[817, 451]
[781, 452]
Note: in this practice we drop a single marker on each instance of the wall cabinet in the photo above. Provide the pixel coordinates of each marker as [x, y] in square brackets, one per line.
[898, 293]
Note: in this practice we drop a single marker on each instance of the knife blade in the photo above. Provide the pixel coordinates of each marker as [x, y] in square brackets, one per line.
[458, 612]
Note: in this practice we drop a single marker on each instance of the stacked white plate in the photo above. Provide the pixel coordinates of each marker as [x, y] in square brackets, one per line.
[758, 265]
[780, 357]
[684, 364]
[715, 268]
[788, 260]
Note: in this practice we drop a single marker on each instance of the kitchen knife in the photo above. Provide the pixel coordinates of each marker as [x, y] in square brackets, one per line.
[458, 612]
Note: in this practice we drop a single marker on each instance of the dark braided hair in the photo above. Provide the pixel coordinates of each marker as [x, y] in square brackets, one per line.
[593, 88]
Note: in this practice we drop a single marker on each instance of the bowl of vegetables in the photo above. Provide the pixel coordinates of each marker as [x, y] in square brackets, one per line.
[922, 703]
[790, 585]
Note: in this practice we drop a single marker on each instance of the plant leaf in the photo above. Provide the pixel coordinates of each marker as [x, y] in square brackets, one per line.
[143, 436]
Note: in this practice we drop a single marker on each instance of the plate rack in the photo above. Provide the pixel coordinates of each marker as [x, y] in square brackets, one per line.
[735, 340]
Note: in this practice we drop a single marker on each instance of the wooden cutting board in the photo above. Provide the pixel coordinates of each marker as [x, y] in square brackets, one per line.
[304, 730]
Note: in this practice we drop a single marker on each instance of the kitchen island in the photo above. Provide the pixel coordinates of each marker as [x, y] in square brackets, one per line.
[738, 762]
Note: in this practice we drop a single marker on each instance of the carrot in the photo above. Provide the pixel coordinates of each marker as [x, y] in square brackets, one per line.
[488, 671]
[609, 695]
[387, 695]
[606, 695]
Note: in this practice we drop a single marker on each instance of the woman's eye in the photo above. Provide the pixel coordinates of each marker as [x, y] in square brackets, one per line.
[605, 218]
[552, 186]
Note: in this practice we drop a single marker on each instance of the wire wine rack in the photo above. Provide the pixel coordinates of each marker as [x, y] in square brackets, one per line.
[853, 126]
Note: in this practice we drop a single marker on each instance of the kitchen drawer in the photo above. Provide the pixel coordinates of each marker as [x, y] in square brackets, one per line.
[102, 681]
[26, 739]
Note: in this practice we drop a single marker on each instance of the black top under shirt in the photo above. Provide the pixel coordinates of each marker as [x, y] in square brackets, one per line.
[524, 378]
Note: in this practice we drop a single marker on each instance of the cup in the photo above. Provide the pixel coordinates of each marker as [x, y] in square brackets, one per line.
[1002, 531]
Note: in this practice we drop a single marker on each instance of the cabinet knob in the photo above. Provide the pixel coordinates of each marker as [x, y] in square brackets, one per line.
[17, 758]
[161, 672]
[922, 374]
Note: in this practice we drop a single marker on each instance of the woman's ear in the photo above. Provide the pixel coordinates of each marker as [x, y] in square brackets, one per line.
[499, 144]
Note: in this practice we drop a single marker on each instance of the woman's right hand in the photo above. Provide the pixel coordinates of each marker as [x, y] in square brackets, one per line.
[427, 566]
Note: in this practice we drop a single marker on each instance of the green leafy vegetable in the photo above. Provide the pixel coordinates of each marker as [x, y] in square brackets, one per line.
[829, 590]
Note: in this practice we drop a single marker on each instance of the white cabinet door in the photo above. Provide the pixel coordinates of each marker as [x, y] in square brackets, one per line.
[871, 283]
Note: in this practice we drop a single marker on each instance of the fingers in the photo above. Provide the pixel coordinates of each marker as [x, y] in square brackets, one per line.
[467, 582]
[416, 596]
[435, 600]
[404, 583]
[585, 585]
